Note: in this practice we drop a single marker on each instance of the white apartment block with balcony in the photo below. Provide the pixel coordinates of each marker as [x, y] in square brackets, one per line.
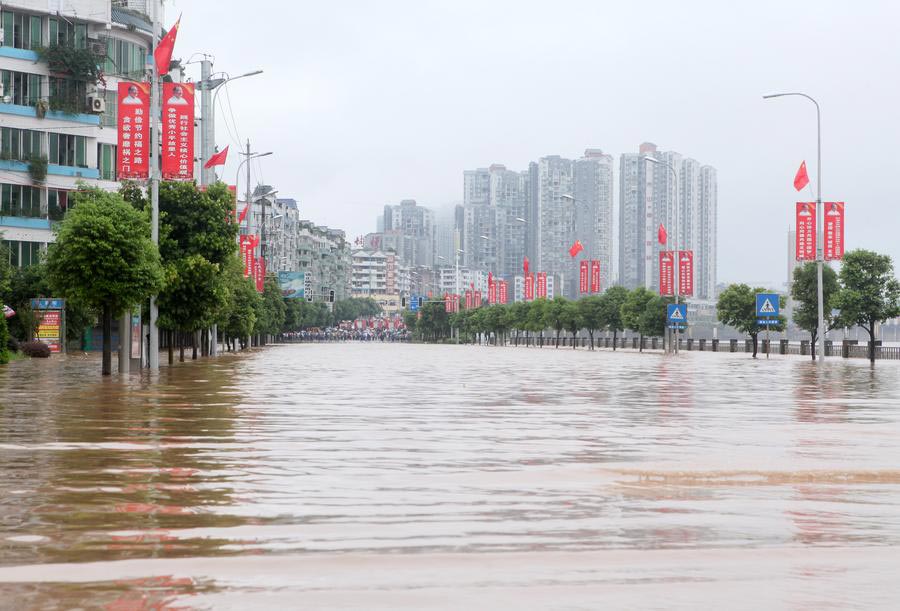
[49, 118]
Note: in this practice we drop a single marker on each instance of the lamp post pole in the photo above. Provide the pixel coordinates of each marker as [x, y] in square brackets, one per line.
[677, 238]
[820, 218]
[153, 348]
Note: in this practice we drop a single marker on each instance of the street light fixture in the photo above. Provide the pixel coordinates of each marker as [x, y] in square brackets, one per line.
[820, 231]
[677, 249]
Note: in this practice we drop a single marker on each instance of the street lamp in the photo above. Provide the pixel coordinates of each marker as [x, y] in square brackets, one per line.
[820, 232]
[677, 249]
[207, 113]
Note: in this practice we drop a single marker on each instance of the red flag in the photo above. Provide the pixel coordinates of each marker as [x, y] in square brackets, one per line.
[525, 265]
[661, 234]
[163, 53]
[801, 179]
[243, 214]
[217, 159]
[576, 248]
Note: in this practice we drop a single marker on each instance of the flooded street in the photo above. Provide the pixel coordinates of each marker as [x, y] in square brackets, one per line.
[408, 476]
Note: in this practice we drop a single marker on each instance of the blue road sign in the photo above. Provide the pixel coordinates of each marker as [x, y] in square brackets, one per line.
[676, 315]
[413, 303]
[767, 305]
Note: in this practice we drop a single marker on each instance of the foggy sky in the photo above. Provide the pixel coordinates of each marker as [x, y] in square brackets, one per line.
[367, 103]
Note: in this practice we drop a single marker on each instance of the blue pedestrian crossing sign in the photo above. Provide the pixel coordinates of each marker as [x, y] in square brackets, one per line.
[676, 315]
[767, 308]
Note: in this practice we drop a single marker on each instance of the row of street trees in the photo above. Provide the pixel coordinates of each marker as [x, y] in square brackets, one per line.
[104, 263]
[864, 294]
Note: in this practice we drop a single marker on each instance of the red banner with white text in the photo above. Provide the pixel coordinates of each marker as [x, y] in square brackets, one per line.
[686, 273]
[478, 302]
[134, 131]
[583, 275]
[834, 231]
[247, 255]
[666, 272]
[595, 276]
[529, 287]
[503, 290]
[806, 231]
[542, 285]
[492, 292]
[260, 273]
[470, 299]
[178, 131]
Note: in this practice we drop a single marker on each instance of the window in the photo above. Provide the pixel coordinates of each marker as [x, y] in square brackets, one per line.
[110, 118]
[65, 33]
[19, 144]
[22, 88]
[57, 203]
[20, 200]
[106, 161]
[67, 95]
[21, 30]
[68, 150]
[22, 253]
[124, 58]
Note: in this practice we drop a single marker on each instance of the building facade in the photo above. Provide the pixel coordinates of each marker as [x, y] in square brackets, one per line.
[57, 129]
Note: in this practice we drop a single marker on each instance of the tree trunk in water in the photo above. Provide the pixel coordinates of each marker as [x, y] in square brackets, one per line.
[591, 333]
[170, 344]
[573, 341]
[106, 367]
[181, 346]
[871, 331]
[754, 337]
[813, 337]
[614, 339]
[194, 343]
[641, 342]
[557, 339]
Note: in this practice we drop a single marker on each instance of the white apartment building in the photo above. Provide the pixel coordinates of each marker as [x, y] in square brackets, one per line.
[58, 120]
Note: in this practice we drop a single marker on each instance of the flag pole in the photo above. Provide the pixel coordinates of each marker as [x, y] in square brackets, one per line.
[153, 348]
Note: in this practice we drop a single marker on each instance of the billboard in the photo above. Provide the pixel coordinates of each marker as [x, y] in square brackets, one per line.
[686, 273]
[292, 284]
[666, 272]
[178, 131]
[134, 131]
[806, 231]
[834, 231]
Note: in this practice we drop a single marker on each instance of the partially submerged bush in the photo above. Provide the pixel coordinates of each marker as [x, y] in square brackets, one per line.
[35, 349]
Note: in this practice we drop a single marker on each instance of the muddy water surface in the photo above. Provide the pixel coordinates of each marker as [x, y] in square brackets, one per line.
[395, 476]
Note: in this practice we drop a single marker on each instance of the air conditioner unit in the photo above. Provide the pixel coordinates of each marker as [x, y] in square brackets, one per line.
[96, 104]
[97, 47]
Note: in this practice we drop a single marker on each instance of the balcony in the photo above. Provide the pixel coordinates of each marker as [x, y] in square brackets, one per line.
[20, 110]
[13, 165]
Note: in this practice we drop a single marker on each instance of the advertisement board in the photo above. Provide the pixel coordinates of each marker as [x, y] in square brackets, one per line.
[292, 284]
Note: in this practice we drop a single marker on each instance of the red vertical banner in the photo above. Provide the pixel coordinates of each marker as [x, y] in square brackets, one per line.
[260, 273]
[246, 255]
[178, 131]
[504, 292]
[806, 231]
[834, 231]
[529, 287]
[595, 276]
[666, 272]
[542, 285]
[686, 273]
[469, 299]
[448, 305]
[478, 302]
[583, 276]
[134, 130]
[492, 293]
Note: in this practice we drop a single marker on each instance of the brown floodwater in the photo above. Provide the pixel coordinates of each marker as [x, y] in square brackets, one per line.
[405, 476]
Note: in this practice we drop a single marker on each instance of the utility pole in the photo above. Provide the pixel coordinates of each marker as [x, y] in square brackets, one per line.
[207, 143]
[153, 348]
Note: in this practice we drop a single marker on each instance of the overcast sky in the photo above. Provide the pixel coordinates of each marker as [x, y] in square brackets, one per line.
[367, 103]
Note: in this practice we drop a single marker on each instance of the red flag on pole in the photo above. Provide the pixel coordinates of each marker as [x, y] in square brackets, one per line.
[525, 265]
[661, 234]
[217, 159]
[576, 248]
[801, 179]
[163, 53]
[243, 214]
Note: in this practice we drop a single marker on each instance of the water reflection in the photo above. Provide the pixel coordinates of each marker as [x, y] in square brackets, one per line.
[382, 451]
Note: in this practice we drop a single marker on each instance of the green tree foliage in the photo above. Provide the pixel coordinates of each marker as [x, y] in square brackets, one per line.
[870, 292]
[536, 322]
[238, 318]
[496, 320]
[653, 318]
[195, 293]
[633, 311]
[103, 258]
[517, 317]
[555, 315]
[590, 310]
[572, 320]
[804, 291]
[358, 307]
[5, 272]
[434, 323]
[737, 308]
[611, 317]
[271, 311]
